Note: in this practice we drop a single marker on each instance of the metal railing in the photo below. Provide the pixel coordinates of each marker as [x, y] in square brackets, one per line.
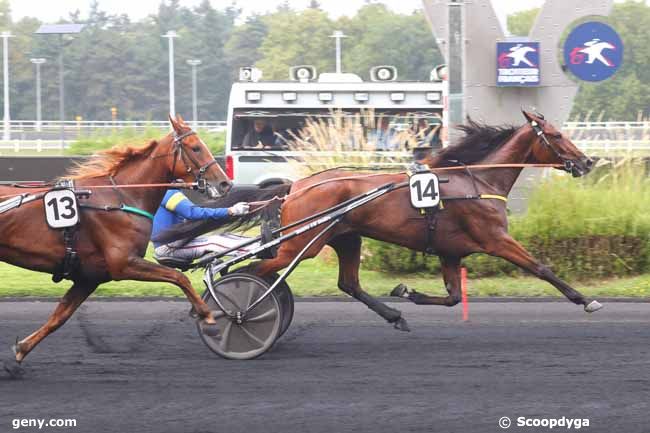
[30, 135]
[33, 125]
[596, 138]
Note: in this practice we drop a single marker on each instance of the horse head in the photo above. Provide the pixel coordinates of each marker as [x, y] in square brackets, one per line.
[192, 161]
[553, 147]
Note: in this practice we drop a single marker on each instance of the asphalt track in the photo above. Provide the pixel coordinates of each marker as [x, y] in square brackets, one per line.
[140, 367]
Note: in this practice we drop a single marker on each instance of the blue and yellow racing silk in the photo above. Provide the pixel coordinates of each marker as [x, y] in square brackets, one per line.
[177, 208]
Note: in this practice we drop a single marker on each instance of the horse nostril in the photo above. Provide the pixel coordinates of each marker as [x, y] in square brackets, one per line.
[225, 186]
[590, 162]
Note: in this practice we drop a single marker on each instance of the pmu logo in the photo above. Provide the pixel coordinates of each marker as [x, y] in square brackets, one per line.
[593, 51]
[516, 56]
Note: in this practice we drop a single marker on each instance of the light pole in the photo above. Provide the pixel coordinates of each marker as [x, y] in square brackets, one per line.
[170, 35]
[6, 131]
[38, 62]
[338, 35]
[456, 61]
[61, 30]
[194, 63]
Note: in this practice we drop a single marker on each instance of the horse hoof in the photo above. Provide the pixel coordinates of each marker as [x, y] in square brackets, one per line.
[211, 330]
[593, 306]
[193, 314]
[401, 325]
[13, 368]
[400, 291]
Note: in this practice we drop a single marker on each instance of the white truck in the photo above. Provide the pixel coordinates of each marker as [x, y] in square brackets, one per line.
[263, 116]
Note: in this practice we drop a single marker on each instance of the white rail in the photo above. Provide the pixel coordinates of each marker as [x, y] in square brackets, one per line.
[17, 125]
[597, 138]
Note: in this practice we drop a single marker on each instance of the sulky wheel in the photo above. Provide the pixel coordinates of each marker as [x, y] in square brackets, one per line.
[259, 330]
[286, 300]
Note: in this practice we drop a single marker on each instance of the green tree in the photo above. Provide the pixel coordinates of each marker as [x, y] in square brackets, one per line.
[244, 46]
[520, 23]
[296, 38]
[379, 36]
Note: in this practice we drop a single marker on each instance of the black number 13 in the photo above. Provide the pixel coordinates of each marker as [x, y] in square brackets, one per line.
[429, 191]
[67, 205]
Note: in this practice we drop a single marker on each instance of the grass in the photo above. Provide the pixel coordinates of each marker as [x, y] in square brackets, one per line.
[87, 145]
[19, 282]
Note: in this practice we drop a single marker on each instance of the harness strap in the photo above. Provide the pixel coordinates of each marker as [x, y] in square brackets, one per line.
[494, 196]
[123, 208]
[137, 211]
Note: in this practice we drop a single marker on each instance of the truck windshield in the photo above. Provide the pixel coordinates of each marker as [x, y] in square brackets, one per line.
[374, 130]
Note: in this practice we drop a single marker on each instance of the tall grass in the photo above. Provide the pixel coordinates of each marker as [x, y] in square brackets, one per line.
[87, 145]
[593, 227]
[343, 139]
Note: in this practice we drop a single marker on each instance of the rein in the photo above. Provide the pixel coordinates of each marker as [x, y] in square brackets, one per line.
[184, 185]
[264, 203]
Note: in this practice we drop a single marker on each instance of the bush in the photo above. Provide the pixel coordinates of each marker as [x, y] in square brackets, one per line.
[593, 227]
[131, 137]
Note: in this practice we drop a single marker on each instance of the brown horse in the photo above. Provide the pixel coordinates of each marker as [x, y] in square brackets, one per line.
[463, 227]
[110, 245]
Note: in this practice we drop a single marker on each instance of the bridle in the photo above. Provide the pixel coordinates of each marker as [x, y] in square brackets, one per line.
[568, 164]
[177, 151]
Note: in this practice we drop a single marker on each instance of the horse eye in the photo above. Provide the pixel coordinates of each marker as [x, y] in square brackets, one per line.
[196, 149]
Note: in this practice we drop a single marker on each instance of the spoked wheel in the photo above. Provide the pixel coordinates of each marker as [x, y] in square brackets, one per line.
[286, 300]
[259, 330]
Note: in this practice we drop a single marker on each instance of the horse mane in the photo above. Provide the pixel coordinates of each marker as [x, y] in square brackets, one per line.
[108, 162]
[478, 141]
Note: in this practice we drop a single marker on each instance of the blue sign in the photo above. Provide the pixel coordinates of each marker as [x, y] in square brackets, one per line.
[518, 64]
[593, 51]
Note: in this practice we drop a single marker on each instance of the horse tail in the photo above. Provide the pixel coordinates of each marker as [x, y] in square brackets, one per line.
[248, 193]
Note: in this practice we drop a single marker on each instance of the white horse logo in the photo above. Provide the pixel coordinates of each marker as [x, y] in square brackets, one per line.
[594, 51]
[518, 55]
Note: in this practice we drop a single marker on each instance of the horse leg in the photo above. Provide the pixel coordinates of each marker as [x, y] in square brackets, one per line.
[348, 250]
[511, 250]
[68, 304]
[451, 276]
[139, 269]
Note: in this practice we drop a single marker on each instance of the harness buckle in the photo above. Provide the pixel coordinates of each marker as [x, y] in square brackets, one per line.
[201, 185]
[568, 165]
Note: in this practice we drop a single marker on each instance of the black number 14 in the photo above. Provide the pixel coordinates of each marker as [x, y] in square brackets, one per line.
[429, 191]
[68, 207]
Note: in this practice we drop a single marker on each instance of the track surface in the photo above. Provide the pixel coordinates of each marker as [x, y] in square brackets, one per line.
[140, 367]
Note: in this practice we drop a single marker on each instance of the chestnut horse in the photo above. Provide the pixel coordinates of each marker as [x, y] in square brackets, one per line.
[463, 227]
[110, 245]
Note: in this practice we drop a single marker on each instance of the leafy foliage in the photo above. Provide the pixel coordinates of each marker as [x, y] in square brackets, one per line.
[116, 62]
[520, 23]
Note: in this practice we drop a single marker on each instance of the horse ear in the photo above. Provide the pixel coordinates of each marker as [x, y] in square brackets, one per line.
[175, 124]
[180, 120]
[529, 117]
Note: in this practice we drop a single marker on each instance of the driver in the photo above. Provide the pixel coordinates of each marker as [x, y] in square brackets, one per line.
[261, 135]
[177, 208]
